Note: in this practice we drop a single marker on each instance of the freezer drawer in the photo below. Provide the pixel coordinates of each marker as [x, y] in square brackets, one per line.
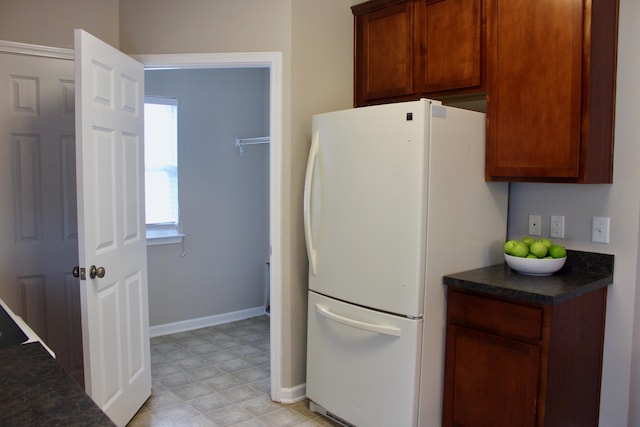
[363, 365]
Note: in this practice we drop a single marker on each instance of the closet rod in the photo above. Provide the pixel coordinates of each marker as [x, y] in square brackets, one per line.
[241, 142]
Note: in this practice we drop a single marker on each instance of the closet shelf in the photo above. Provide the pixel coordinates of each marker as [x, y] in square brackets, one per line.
[241, 142]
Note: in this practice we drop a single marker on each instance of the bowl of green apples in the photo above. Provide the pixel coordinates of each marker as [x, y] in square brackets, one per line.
[540, 257]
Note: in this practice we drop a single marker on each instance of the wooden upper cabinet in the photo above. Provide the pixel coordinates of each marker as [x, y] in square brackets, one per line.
[450, 36]
[408, 49]
[551, 90]
[384, 52]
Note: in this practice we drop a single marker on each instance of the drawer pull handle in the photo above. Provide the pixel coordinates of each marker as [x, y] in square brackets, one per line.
[380, 329]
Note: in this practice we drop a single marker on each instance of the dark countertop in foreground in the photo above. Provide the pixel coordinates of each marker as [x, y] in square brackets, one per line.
[583, 272]
[36, 391]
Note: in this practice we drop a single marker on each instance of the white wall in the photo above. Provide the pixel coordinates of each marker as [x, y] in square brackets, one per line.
[621, 202]
[224, 198]
[51, 23]
[322, 81]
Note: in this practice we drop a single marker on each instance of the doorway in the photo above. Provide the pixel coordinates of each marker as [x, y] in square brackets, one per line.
[272, 61]
[214, 270]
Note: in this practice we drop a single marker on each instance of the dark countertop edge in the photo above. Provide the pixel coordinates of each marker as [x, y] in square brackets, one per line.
[523, 295]
[36, 391]
[584, 272]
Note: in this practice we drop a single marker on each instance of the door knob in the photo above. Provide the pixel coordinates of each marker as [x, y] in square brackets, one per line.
[96, 271]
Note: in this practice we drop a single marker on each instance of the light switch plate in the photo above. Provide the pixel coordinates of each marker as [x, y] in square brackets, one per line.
[600, 229]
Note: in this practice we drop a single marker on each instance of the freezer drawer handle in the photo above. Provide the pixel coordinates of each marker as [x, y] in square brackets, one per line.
[380, 329]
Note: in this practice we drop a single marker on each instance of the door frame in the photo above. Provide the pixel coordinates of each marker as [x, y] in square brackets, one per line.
[272, 61]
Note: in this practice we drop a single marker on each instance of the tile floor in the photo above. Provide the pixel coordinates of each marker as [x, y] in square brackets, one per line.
[218, 376]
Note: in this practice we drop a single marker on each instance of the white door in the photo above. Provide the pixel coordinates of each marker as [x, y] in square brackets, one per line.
[38, 227]
[111, 227]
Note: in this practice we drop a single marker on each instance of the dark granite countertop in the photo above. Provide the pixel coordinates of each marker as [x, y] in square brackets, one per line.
[582, 273]
[36, 391]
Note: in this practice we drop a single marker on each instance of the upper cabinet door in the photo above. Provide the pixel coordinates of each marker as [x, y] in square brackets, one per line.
[409, 49]
[551, 90]
[383, 52]
[449, 37]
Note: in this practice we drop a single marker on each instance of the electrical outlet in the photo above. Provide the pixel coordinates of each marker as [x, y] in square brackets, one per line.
[534, 225]
[600, 229]
[557, 227]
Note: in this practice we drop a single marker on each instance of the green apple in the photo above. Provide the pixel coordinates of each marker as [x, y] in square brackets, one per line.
[545, 242]
[528, 240]
[508, 246]
[532, 256]
[538, 249]
[557, 251]
[520, 249]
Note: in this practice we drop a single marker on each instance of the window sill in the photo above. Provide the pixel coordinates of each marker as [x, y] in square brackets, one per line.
[163, 237]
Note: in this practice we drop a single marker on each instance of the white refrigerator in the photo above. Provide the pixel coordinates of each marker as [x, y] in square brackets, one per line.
[394, 199]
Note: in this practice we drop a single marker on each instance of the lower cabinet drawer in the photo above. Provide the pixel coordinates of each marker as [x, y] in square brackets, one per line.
[495, 316]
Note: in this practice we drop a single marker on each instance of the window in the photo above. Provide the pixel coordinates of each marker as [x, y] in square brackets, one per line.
[161, 170]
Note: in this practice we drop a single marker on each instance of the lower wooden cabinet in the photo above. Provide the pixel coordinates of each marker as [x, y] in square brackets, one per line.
[513, 363]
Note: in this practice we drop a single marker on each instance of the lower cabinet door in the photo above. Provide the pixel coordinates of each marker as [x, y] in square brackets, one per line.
[363, 365]
[490, 381]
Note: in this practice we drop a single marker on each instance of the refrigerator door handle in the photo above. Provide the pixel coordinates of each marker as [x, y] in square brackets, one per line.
[308, 180]
[379, 329]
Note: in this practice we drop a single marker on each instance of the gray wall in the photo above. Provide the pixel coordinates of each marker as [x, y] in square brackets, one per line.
[224, 198]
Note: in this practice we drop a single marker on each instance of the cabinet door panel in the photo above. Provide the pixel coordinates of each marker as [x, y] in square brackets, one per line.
[535, 88]
[384, 53]
[449, 35]
[490, 381]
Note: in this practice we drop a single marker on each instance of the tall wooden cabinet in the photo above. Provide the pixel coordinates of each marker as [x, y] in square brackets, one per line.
[551, 90]
[407, 49]
[513, 363]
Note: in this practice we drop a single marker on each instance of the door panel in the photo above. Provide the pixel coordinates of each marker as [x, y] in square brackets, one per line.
[493, 380]
[115, 318]
[38, 220]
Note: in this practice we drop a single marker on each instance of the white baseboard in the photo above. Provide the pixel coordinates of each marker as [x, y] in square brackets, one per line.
[293, 394]
[203, 322]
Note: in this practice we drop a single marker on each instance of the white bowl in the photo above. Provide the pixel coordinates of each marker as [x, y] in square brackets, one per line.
[533, 266]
